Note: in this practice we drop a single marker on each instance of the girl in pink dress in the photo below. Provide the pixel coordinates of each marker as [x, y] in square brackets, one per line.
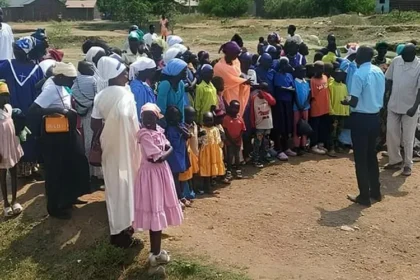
[155, 199]
[10, 152]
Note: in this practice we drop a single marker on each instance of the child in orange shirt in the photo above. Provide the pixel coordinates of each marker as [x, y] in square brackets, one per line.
[320, 107]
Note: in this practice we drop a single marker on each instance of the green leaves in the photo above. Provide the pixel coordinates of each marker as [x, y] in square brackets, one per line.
[223, 8]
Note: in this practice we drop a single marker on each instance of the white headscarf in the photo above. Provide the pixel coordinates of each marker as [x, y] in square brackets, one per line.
[110, 68]
[173, 39]
[180, 47]
[47, 64]
[170, 54]
[92, 52]
[141, 64]
[65, 69]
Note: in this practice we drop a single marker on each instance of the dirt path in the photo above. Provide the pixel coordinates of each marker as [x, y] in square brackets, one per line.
[286, 224]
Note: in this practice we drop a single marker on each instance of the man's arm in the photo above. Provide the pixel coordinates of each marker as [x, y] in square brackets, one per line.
[356, 92]
[412, 111]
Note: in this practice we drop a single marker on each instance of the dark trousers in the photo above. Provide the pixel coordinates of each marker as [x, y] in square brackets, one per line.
[233, 153]
[321, 127]
[364, 132]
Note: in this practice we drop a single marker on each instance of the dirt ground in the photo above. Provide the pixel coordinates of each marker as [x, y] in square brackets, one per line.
[284, 222]
[289, 220]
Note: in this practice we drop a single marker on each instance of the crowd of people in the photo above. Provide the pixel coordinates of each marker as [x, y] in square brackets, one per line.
[158, 125]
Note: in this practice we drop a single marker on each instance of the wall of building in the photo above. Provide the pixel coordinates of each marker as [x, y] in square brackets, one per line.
[79, 14]
[43, 10]
[405, 5]
[382, 6]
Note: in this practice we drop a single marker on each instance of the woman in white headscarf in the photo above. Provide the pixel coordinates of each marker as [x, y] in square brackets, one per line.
[93, 55]
[65, 163]
[115, 109]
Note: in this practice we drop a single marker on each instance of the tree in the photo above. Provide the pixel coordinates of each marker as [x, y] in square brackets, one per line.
[224, 8]
[4, 3]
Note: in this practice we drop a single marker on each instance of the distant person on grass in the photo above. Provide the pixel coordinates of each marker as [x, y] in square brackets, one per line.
[366, 100]
[293, 36]
[164, 25]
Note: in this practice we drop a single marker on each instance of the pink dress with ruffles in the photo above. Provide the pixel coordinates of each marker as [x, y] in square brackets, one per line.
[155, 200]
[10, 148]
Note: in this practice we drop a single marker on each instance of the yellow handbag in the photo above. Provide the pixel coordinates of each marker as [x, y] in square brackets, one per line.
[56, 124]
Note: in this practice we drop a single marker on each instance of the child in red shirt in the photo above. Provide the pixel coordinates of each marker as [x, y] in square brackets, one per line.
[320, 107]
[234, 127]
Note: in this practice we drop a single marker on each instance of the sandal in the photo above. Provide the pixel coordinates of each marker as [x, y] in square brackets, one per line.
[186, 202]
[8, 212]
[17, 208]
[239, 174]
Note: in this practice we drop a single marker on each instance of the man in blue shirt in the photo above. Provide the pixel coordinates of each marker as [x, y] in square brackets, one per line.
[366, 100]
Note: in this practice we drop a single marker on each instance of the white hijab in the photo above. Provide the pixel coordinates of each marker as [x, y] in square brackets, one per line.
[92, 52]
[110, 68]
[141, 64]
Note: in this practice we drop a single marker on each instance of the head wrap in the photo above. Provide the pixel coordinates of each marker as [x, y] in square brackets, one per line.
[92, 52]
[4, 89]
[160, 42]
[47, 64]
[110, 68]
[351, 49]
[117, 57]
[171, 54]
[55, 54]
[27, 43]
[136, 35]
[65, 69]
[151, 107]
[173, 39]
[141, 64]
[230, 48]
[180, 47]
[400, 48]
[174, 67]
[245, 56]
[206, 68]
[266, 59]
[40, 34]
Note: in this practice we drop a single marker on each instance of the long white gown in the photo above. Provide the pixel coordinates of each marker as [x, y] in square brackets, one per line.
[120, 153]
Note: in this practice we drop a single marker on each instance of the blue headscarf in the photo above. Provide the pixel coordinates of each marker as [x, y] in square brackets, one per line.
[174, 67]
[400, 48]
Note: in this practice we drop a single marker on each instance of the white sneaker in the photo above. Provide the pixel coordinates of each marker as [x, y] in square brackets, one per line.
[321, 147]
[318, 151]
[162, 258]
[290, 153]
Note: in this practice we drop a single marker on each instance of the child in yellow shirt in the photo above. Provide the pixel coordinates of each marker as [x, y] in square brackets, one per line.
[338, 112]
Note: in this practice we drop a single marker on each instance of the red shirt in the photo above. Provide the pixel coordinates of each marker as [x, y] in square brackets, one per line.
[320, 104]
[234, 127]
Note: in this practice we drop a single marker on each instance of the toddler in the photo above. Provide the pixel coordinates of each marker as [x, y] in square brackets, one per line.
[262, 122]
[234, 127]
[211, 155]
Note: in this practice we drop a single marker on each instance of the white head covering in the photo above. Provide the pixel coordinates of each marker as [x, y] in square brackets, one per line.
[141, 64]
[92, 52]
[46, 64]
[180, 47]
[351, 49]
[110, 68]
[65, 69]
[171, 54]
[173, 39]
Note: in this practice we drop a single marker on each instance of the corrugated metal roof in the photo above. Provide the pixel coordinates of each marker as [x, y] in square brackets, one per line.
[81, 4]
[18, 3]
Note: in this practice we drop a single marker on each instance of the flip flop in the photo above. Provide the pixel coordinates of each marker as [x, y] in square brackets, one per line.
[17, 208]
[8, 212]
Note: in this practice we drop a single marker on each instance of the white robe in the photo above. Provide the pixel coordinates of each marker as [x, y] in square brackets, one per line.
[120, 153]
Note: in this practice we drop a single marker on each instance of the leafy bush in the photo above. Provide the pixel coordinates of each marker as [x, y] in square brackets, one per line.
[313, 8]
[224, 8]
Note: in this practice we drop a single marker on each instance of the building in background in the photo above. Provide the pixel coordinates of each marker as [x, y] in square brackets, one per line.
[382, 6]
[82, 10]
[187, 6]
[33, 10]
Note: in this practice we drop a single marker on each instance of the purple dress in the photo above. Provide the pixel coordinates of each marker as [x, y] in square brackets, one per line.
[155, 200]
